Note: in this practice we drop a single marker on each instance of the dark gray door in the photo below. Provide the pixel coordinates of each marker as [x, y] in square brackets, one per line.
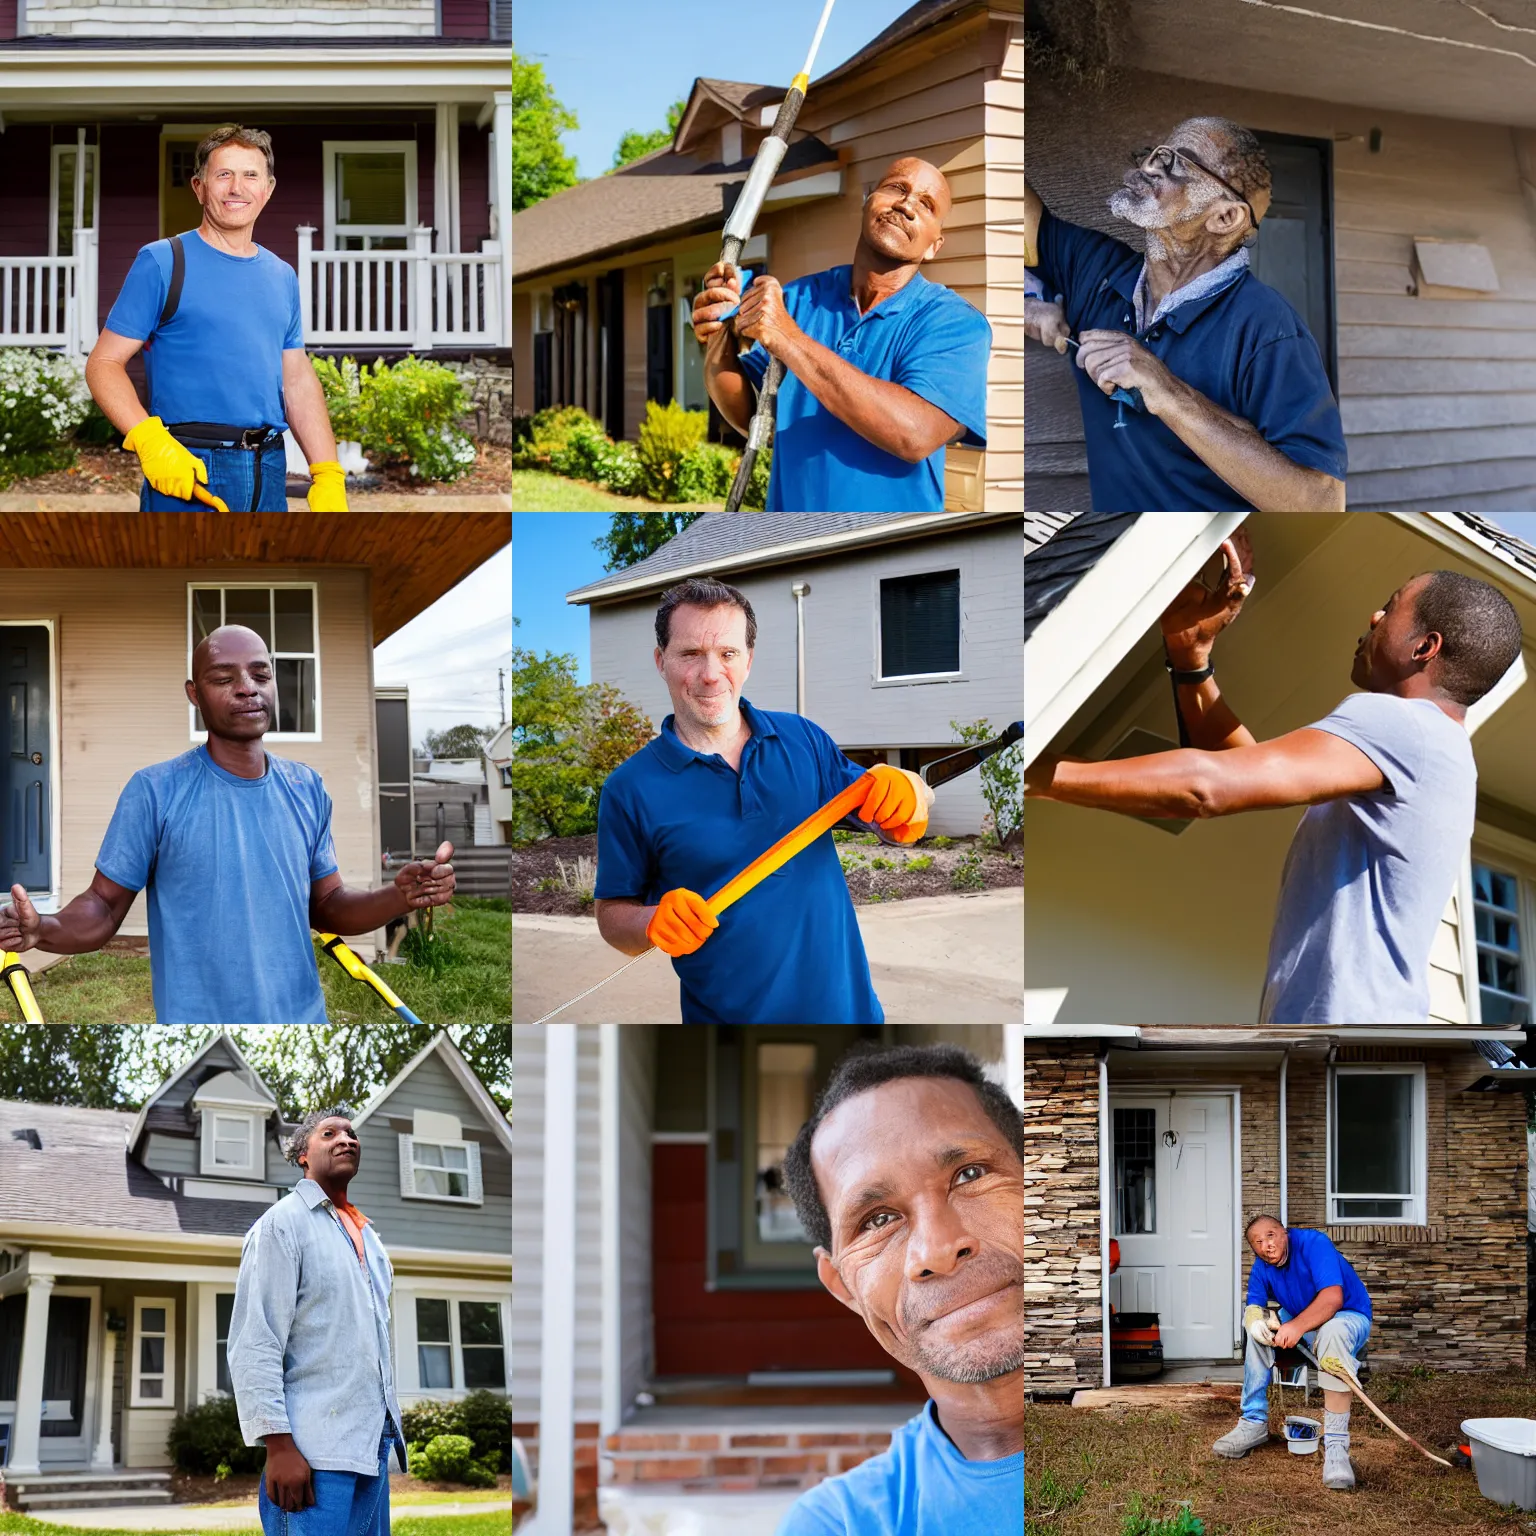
[69, 1327]
[24, 835]
[1294, 252]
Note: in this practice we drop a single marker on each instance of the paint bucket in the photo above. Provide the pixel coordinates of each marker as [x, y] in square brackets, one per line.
[1302, 1434]
[1135, 1346]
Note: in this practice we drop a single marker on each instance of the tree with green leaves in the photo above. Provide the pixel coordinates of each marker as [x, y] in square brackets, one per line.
[63, 1064]
[1002, 779]
[540, 165]
[632, 536]
[458, 740]
[633, 144]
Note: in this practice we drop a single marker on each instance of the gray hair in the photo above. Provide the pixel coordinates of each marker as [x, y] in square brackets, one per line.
[297, 1142]
[234, 133]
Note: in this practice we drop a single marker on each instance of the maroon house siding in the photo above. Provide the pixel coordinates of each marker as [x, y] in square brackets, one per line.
[729, 1333]
[474, 187]
[467, 18]
[7, 18]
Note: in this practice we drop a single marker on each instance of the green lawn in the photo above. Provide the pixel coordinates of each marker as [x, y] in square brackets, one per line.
[535, 491]
[493, 1522]
[475, 989]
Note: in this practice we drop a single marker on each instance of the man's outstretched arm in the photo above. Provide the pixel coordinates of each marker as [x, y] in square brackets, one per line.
[83, 926]
[1304, 767]
[335, 909]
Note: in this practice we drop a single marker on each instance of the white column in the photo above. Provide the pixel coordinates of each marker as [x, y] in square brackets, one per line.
[610, 1151]
[421, 289]
[501, 202]
[306, 282]
[101, 1456]
[27, 1429]
[445, 136]
[557, 1355]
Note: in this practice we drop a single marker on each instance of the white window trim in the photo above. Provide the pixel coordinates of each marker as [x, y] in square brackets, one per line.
[56, 153]
[408, 1191]
[428, 1292]
[136, 1397]
[904, 679]
[335, 228]
[313, 588]
[253, 1165]
[1418, 1196]
[1524, 874]
[543, 311]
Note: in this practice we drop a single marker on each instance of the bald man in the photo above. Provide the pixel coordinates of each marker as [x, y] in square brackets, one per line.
[1230, 407]
[234, 848]
[884, 368]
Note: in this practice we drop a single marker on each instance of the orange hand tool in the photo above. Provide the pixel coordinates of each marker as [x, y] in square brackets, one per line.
[208, 498]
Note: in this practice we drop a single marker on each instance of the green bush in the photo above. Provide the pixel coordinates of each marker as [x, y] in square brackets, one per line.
[755, 498]
[621, 471]
[667, 436]
[43, 398]
[203, 1437]
[967, 874]
[545, 434]
[342, 387]
[409, 413]
[921, 862]
[486, 1417]
[706, 473]
[96, 431]
[450, 1459]
[582, 454]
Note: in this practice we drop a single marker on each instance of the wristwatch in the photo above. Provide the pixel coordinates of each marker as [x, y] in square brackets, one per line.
[1209, 670]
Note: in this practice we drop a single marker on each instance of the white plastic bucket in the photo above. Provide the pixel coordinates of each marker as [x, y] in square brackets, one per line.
[1297, 1441]
[1504, 1458]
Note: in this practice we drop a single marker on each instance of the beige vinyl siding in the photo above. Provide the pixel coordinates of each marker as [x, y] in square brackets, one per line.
[1447, 997]
[1437, 393]
[122, 639]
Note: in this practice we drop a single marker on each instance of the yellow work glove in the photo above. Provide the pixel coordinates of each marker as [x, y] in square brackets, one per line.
[681, 923]
[328, 487]
[172, 469]
[899, 802]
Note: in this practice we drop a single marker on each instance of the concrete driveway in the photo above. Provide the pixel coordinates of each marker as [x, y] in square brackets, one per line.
[935, 960]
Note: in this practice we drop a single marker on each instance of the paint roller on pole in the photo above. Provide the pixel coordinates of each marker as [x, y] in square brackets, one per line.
[738, 230]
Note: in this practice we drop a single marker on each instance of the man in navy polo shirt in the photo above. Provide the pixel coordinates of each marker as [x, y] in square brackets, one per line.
[1235, 412]
[884, 367]
[721, 784]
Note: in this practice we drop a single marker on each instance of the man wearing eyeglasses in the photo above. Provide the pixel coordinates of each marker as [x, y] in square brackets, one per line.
[1201, 387]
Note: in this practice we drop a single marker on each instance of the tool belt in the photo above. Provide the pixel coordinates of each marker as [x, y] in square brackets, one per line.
[213, 434]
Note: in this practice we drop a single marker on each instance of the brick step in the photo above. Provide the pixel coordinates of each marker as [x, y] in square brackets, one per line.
[736, 1462]
[802, 1439]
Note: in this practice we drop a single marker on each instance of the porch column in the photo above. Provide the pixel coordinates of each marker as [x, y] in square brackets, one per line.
[26, 1432]
[445, 177]
[101, 1456]
[501, 202]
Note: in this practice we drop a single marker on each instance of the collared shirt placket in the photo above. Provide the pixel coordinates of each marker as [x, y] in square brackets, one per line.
[381, 1332]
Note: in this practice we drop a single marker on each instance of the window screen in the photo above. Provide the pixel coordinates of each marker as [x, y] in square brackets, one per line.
[920, 624]
[1373, 1146]
[434, 1343]
[1135, 1171]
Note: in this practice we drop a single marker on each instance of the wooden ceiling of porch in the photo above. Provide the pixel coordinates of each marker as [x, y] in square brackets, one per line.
[414, 557]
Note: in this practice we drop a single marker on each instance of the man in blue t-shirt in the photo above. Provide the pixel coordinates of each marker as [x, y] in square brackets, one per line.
[721, 784]
[884, 368]
[234, 848]
[1224, 400]
[909, 1179]
[1388, 779]
[224, 355]
[1323, 1305]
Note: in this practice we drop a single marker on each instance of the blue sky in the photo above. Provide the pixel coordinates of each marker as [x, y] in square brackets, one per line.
[619, 66]
[553, 554]
[1521, 524]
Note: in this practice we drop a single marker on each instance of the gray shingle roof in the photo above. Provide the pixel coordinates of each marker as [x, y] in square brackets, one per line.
[83, 1176]
[721, 538]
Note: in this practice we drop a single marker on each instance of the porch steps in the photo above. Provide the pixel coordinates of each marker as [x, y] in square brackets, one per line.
[91, 1490]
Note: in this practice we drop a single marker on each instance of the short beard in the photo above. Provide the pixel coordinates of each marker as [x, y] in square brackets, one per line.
[970, 1364]
[1142, 211]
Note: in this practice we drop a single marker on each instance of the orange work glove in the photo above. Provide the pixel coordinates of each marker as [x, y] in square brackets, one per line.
[898, 801]
[682, 922]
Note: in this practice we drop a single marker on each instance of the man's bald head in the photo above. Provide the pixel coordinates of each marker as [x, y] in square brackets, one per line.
[931, 178]
[229, 643]
[904, 214]
[233, 685]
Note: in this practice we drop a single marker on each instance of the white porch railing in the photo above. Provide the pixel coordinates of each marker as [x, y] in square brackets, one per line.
[50, 301]
[413, 298]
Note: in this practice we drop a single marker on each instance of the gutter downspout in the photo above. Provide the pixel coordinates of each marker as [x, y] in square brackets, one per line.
[1285, 1198]
[800, 589]
[1104, 1206]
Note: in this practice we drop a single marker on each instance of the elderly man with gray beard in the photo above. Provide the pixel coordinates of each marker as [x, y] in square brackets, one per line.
[1201, 387]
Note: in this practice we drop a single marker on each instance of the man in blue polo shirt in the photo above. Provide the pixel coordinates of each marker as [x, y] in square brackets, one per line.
[1322, 1305]
[884, 367]
[720, 785]
[1228, 404]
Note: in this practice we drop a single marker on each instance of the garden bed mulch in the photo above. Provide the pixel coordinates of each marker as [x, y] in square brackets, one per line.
[535, 863]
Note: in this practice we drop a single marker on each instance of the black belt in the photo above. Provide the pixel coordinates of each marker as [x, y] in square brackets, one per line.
[213, 434]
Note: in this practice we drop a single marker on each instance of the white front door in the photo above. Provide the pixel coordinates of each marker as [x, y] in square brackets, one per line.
[1172, 1211]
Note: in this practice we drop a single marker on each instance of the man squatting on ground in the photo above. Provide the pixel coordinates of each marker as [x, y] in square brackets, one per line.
[909, 1179]
[234, 847]
[720, 784]
[884, 367]
[1389, 777]
[1324, 1305]
[1237, 410]
[309, 1356]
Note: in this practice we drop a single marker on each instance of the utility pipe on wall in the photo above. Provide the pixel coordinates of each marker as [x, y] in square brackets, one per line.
[800, 589]
[1285, 1199]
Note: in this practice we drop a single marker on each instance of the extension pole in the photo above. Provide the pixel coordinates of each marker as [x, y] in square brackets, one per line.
[1333, 1366]
[347, 959]
[738, 230]
[15, 974]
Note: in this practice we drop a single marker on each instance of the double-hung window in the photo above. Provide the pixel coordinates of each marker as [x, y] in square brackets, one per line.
[440, 1170]
[459, 1345]
[1499, 907]
[153, 1383]
[286, 617]
[1377, 1145]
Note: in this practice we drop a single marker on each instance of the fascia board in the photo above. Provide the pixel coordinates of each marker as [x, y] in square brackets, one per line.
[1078, 645]
[137, 1128]
[775, 554]
[462, 1072]
[1448, 531]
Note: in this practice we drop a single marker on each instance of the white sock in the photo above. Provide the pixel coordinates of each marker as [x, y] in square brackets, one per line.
[1336, 1428]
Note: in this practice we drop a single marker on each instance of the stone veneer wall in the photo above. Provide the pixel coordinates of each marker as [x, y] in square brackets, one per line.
[1452, 1294]
[1063, 1337]
[489, 386]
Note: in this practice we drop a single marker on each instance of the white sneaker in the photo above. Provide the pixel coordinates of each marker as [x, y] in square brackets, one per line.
[1337, 1472]
[1249, 1434]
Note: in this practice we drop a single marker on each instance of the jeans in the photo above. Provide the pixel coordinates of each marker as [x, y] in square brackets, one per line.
[1343, 1334]
[346, 1503]
[232, 478]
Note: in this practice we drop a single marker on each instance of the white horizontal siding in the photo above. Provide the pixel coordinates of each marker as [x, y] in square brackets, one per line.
[528, 1221]
[253, 18]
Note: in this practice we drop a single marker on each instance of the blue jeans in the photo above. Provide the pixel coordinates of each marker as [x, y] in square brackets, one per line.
[346, 1503]
[232, 478]
[1343, 1334]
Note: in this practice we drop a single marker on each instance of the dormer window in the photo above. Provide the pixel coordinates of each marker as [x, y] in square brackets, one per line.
[232, 1143]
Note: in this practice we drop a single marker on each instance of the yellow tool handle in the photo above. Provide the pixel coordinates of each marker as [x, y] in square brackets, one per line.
[15, 973]
[355, 968]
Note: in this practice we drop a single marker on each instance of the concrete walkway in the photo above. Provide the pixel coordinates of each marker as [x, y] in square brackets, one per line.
[194, 1517]
[934, 959]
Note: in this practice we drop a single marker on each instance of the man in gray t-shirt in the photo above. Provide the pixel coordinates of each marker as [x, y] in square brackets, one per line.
[1389, 777]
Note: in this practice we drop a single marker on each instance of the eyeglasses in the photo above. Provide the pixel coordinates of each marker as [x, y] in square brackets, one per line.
[1163, 157]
